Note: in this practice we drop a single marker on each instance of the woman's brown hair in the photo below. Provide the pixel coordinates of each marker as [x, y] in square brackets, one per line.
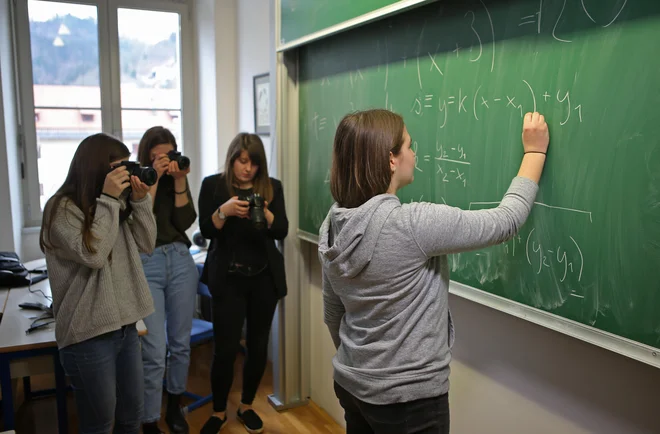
[154, 136]
[84, 184]
[361, 155]
[255, 148]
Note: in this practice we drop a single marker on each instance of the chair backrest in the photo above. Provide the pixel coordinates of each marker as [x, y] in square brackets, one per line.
[202, 289]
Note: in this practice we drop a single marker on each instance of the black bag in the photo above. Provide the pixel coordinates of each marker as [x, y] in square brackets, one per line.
[12, 272]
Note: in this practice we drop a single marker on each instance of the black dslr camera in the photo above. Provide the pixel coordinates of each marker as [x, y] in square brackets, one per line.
[257, 214]
[148, 175]
[184, 162]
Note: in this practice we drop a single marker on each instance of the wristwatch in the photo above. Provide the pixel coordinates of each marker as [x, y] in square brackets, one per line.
[221, 215]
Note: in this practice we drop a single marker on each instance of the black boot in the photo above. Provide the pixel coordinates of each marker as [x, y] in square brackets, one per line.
[174, 416]
[151, 428]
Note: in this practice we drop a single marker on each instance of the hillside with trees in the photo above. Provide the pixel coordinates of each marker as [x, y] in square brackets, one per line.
[65, 52]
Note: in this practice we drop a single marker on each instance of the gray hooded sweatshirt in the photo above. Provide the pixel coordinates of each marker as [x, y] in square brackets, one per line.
[385, 288]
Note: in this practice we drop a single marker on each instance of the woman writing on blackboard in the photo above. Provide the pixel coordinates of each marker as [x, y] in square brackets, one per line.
[386, 275]
[242, 212]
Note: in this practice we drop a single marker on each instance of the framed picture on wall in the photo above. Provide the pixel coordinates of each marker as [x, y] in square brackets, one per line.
[262, 104]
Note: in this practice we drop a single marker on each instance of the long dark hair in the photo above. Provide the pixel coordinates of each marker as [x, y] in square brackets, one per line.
[255, 148]
[361, 155]
[84, 183]
[154, 136]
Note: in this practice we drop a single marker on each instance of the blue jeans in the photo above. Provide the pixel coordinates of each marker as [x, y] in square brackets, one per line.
[106, 375]
[172, 277]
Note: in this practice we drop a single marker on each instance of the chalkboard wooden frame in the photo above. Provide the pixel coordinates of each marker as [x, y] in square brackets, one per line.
[355, 22]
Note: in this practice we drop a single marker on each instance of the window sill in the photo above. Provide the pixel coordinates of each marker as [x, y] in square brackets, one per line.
[30, 230]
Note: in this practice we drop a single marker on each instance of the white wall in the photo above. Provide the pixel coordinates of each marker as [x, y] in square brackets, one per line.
[215, 30]
[6, 218]
[204, 18]
[11, 210]
[226, 49]
[254, 57]
[321, 348]
[509, 376]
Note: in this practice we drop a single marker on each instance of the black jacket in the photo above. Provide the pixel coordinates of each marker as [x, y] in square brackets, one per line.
[214, 193]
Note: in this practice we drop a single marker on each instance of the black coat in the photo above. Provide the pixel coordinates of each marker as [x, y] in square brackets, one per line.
[214, 193]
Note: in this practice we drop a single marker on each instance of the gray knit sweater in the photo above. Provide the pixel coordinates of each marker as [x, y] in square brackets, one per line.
[96, 293]
[386, 284]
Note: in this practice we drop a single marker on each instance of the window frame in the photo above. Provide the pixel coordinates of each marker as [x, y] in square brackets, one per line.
[109, 83]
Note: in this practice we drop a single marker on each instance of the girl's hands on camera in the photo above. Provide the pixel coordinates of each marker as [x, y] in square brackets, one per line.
[235, 208]
[139, 189]
[161, 164]
[116, 182]
[173, 169]
[164, 165]
[270, 217]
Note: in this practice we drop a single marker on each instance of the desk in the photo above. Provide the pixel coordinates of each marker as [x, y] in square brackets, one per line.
[4, 293]
[16, 347]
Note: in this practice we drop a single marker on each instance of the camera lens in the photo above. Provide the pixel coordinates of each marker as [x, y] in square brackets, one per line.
[257, 214]
[148, 175]
[181, 160]
[184, 162]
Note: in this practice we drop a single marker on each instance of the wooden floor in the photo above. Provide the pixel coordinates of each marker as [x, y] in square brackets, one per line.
[40, 416]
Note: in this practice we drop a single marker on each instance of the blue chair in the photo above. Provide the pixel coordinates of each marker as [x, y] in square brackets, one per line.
[201, 331]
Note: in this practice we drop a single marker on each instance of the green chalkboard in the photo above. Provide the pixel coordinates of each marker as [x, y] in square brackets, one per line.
[462, 74]
[301, 18]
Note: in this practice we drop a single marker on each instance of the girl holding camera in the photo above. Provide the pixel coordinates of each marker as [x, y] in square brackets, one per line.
[242, 212]
[92, 234]
[173, 278]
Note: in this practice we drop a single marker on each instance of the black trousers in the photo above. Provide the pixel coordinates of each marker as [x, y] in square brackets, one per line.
[423, 416]
[243, 298]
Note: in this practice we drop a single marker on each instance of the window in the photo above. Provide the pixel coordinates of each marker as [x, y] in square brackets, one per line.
[64, 50]
[150, 78]
[92, 66]
[87, 116]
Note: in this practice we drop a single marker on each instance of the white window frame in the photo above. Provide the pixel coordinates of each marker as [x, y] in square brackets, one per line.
[109, 70]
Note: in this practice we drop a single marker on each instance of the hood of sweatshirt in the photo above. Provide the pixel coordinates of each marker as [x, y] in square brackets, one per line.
[348, 236]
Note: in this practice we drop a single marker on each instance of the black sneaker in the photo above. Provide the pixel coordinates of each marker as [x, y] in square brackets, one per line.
[251, 421]
[213, 425]
[151, 428]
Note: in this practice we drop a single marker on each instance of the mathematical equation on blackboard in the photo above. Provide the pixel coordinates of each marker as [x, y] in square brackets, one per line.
[422, 85]
[477, 104]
